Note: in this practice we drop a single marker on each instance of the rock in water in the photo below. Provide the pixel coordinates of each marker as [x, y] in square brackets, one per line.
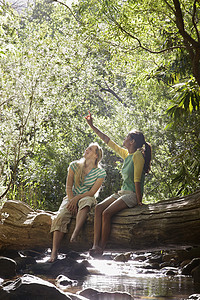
[31, 288]
[93, 294]
[7, 267]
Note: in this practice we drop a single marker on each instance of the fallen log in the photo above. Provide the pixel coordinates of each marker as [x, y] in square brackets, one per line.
[170, 223]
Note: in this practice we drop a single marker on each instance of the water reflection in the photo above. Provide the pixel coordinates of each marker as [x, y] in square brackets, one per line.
[132, 277]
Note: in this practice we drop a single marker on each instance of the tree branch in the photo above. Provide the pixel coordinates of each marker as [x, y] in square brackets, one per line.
[169, 6]
[7, 189]
[180, 25]
[109, 90]
[192, 46]
[139, 42]
[69, 10]
[6, 101]
[193, 20]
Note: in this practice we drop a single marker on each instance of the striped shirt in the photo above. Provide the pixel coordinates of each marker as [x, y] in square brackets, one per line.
[89, 179]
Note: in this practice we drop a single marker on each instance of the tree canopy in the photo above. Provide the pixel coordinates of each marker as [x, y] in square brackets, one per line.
[133, 64]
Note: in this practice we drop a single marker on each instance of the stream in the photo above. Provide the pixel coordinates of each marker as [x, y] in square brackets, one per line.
[136, 278]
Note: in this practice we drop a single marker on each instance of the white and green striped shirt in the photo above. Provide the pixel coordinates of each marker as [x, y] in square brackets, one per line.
[89, 179]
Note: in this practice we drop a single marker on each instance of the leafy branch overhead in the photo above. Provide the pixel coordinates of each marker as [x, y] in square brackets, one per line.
[188, 97]
[168, 28]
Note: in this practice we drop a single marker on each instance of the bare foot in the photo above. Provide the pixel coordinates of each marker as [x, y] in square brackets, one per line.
[96, 251]
[73, 238]
[51, 260]
[53, 257]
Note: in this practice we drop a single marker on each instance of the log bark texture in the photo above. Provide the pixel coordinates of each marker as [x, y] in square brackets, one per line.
[169, 223]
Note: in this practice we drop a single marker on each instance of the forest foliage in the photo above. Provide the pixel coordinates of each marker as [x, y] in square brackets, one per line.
[133, 64]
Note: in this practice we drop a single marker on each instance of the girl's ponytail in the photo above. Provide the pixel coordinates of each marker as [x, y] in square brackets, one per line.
[140, 141]
[147, 156]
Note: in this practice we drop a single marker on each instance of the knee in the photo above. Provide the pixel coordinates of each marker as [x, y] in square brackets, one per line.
[98, 209]
[85, 208]
[106, 214]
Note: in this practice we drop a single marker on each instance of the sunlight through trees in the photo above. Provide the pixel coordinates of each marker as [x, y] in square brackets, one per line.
[132, 64]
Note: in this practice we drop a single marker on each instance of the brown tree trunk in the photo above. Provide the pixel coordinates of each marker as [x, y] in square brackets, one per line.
[169, 223]
[191, 44]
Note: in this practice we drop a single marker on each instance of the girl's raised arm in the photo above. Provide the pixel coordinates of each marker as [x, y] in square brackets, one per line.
[102, 135]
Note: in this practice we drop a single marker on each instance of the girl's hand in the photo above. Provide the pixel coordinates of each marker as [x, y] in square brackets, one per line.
[89, 119]
[72, 205]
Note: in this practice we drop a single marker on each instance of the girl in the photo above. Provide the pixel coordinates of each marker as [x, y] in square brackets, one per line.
[84, 179]
[136, 164]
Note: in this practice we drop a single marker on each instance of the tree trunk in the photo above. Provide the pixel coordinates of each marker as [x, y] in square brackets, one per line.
[170, 223]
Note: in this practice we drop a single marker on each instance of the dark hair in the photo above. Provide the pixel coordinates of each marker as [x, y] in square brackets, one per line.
[140, 141]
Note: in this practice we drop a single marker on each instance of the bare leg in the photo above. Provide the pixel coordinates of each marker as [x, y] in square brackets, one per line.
[98, 220]
[80, 220]
[57, 237]
[107, 214]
